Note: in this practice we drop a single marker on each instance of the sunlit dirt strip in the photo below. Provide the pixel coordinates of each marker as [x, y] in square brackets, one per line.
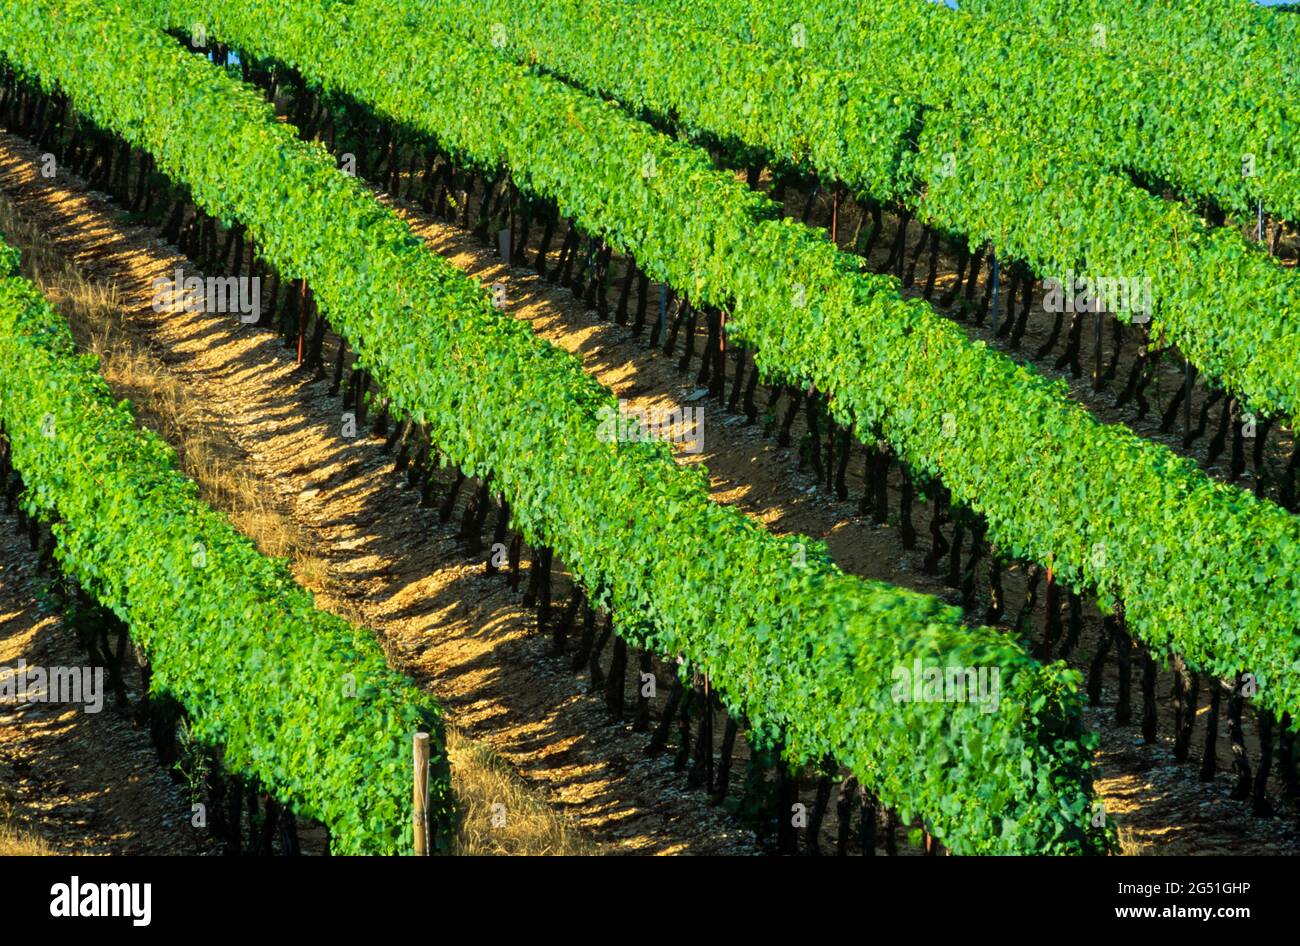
[389, 563]
[746, 470]
[85, 783]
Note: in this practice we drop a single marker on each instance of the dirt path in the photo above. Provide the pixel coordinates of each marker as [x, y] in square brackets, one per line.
[392, 566]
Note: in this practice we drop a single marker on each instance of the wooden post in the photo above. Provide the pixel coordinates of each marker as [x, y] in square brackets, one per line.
[420, 818]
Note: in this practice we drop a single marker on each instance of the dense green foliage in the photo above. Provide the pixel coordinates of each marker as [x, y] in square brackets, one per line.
[1204, 570]
[1231, 310]
[1180, 124]
[805, 652]
[297, 698]
[843, 125]
[1226, 304]
[1239, 39]
[1207, 49]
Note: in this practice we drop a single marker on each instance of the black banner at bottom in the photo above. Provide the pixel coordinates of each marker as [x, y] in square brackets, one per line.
[141, 895]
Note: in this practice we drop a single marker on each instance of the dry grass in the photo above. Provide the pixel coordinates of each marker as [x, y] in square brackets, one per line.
[15, 843]
[500, 814]
[1129, 846]
[481, 780]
